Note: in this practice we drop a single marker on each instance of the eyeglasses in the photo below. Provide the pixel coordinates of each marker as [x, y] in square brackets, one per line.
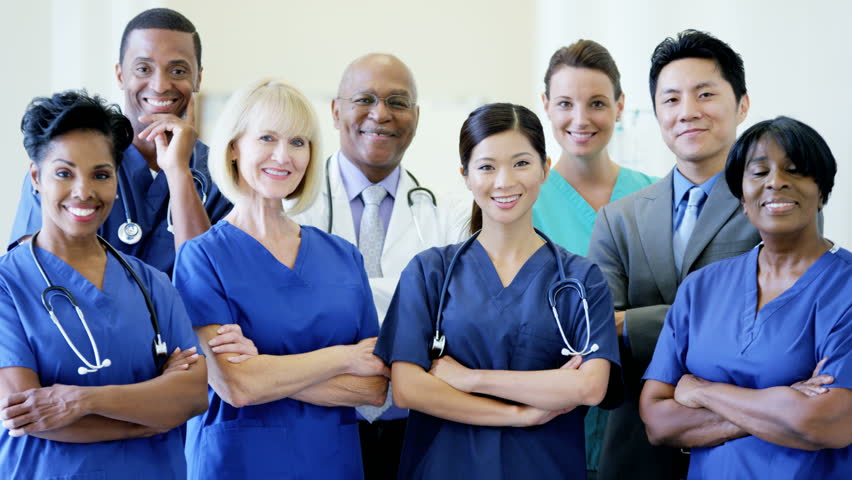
[366, 101]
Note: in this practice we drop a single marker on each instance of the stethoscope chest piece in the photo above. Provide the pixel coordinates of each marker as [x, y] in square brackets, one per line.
[439, 343]
[130, 232]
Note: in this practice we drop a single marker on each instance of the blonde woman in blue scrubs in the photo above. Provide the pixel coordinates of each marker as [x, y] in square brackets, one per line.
[583, 99]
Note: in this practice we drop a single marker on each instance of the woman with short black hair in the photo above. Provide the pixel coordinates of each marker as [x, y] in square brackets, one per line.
[753, 367]
[83, 392]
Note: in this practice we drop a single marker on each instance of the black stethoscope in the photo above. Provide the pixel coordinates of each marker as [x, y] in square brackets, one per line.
[130, 232]
[439, 343]
[160, 349]
[410, 197]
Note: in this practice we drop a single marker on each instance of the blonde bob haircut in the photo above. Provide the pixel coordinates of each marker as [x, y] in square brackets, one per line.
[274, 106]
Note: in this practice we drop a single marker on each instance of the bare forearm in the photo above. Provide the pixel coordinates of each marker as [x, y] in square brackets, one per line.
[546, 389]
[95, 428]
[267, 378]
[346, 390]
[782, 415]
[189, 219]
[418, 390]
[161, 403]
[670, 423]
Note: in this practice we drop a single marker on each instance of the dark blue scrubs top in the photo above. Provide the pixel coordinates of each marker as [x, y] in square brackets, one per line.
[488, 326]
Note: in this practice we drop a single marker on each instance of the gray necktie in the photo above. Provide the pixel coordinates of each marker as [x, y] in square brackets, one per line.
[371, 237]
[687, 225]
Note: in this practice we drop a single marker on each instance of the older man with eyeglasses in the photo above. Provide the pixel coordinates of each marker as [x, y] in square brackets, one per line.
[372, 201]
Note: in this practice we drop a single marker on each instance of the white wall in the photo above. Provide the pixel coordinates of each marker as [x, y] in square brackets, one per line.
[463, 53]
[49, 46]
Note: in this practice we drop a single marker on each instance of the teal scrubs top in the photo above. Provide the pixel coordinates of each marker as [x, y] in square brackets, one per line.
[565, 216]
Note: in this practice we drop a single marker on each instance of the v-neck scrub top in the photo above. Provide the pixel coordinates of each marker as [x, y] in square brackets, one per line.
[488, 326]
[226, 276]
[565, 216]
[122, 330]
[714, 331]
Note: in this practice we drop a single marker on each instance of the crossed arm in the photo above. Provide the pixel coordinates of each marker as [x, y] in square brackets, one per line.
[447, 391]
[75, 414]
[341, 375]
[700, 413]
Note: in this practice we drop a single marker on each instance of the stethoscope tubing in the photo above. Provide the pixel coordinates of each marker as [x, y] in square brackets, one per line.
[409, 198]
[129, 225]
[439, 341]
[160, 349]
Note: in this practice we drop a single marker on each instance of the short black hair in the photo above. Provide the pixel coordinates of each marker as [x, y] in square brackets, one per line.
[803, 145]
[697, 44]
[49, 117]
[162, 18]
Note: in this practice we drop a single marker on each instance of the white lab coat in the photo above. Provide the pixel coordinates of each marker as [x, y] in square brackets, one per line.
[444, 225]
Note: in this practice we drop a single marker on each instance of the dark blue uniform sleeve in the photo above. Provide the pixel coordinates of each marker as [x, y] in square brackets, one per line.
[601, 328]
[28, 216]
[408, 328]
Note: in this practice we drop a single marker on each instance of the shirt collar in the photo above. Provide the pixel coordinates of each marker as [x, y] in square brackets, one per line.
[354, 180]
[681, 185]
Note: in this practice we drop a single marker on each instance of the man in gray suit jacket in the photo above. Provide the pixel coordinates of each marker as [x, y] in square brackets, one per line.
[648, 242]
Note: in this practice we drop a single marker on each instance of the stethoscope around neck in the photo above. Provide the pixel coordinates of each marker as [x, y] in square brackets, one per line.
[160, 350]
[412, 192]
[439, 342]
[130, 232]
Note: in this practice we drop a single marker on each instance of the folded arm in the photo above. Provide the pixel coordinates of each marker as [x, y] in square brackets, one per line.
[669, 423]
[338, 375]
[573, 385]
[77, 414]
[417, 389]
[781, 415]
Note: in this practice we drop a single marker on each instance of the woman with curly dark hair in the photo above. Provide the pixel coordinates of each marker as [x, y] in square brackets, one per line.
[83, 393]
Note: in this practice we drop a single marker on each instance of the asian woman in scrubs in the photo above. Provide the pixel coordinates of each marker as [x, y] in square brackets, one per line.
[503, 401]
[753, 368]
[284, 408]
[83, 396]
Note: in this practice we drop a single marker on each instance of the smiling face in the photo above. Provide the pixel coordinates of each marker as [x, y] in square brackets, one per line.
[697, 110]
[776, 197]
[505, 174]
[159, 73]
[374, 137]
[583, 110]
[76, 180]
[271, 163]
